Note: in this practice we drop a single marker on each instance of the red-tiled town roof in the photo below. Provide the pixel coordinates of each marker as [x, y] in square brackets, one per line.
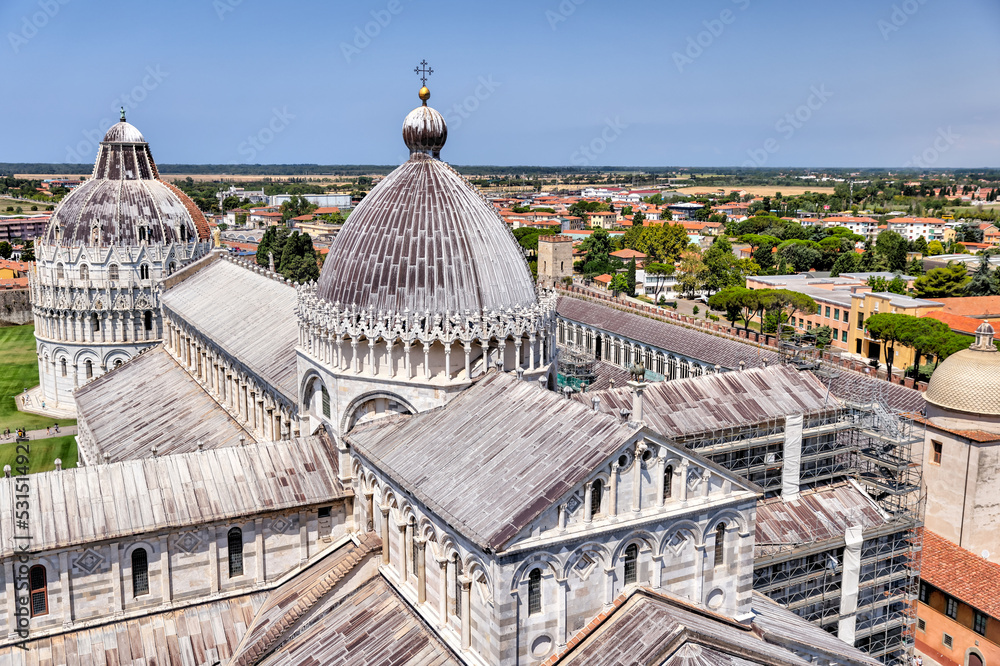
[960, 573]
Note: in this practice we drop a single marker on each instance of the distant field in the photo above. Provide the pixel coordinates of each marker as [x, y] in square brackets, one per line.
[759, 190]
[230, 178]
[19, 370]
[46, 176]
[25, 206]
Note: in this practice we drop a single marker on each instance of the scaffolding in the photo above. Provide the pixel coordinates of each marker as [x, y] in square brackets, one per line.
[858, 441]
[576, 367]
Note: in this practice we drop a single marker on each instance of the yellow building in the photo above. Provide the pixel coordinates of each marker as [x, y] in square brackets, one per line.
[865, 304]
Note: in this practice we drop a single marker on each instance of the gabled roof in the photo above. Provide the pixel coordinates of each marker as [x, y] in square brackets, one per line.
[650, 628]
[686, 407]
[90, 504]
[961, 573]
[151, 401]
[495, 457]
[704, 347]
[249, 315]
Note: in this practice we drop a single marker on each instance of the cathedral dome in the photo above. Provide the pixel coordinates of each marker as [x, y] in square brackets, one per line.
[969, 381]
[125, 202]
[424, 239]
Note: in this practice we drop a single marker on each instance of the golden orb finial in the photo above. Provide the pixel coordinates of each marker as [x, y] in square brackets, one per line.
[425, 94]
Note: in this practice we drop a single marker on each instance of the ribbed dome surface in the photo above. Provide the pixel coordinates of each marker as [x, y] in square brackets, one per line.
[424, 131]
[967, 381]
[125, 202]
[424, 239]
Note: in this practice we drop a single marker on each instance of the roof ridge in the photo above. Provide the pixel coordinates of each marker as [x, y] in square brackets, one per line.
[358, 550]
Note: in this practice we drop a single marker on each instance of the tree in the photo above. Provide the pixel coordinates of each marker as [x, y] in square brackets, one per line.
[722, 268]
[272, 243]
[619, 284]
[920, 245]
[630, 278]
[691, 273]
[983, 282]
[845, 263]
[944, 282]
[801, 256]
[298, 259]
[915, 267]
[597, 246]
[297, 205]
[28, 253]
[896, 285]
[924, 335]
[823, 336]
[739, 303]
[888, 328]
[892, 247]
[6, 249]
[934, 248]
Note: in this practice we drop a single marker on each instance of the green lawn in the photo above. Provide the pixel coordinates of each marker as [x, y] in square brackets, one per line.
[19, 370]
[42, 453]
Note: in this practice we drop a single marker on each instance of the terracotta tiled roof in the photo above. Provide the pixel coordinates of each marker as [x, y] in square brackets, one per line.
[628, 254]
[972, 306]
[975, 435]
[955, 322]
[603, 279]
[960, 573]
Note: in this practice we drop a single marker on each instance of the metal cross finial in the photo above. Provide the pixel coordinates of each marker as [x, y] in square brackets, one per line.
[424, 71]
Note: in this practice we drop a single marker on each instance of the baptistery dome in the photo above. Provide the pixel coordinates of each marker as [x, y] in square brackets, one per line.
[425, 240]
[125, 202]
[969, 381]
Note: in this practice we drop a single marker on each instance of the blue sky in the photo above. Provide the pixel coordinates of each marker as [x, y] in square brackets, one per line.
[554, 82]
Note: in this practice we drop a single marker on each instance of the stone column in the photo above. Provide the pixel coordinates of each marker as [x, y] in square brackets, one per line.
[420, 545]
[166, 582]
[369, 512]
[468, 360]
[213, 558]
[385, 534]
[517, 353]
[427, 359]
[354, 355]
[64, 586]
[699, 573]
[116, 579]
[443, 596]
[561, 630]
[403, 564]
[587, 514]
[502, 354]
[406, 359]
[613, 490]
[640, 451]
[661, 465]
[258, 546]
[447, 362]
[466, 584]
[682, 487]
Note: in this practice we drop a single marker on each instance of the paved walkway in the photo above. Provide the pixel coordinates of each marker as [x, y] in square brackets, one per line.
[39, 434]
[32, 403]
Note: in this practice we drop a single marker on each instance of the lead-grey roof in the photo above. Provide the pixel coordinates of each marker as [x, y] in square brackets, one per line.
[703, 347]
[247, 314]
[88, 504]
[124, 193]
[495, 457]
[425, 240]
[685, 407]
[151, 401]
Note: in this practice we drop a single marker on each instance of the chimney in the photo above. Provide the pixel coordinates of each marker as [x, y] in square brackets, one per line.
[595, 403]
[763, 362]
[542, 382]
[743, 365]
[58, 464]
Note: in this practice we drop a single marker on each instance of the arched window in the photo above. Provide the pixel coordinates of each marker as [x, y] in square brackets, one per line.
[113, 272]
[596, 493]
[326, 401]
[668, 482]
[95, 322]
[60, 272]
[184, 233]
[39, 591]
[63, 364]
[414, 560]
[720, 543]
[140, 572]
[171, 268]
[235, 552]
[631, 561]
[84, 272]
[147, 320]
[535, 591]
[144, 272]
[90, 369]
[458, 587]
